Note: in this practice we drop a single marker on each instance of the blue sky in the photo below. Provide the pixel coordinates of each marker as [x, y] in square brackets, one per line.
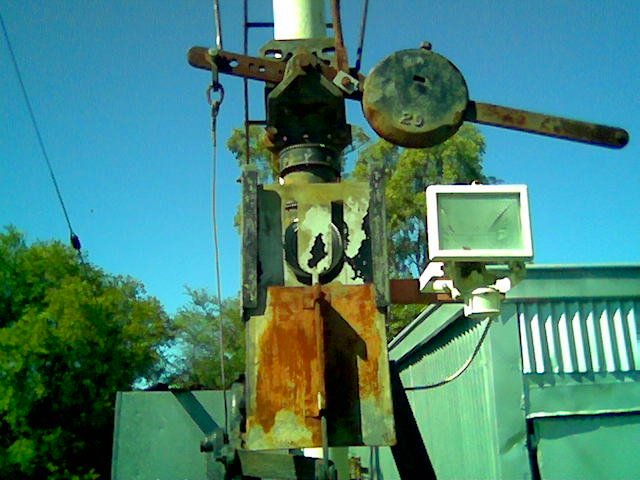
[126, 124]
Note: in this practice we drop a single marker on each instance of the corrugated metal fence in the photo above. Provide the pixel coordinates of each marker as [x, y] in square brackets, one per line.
[585, 337]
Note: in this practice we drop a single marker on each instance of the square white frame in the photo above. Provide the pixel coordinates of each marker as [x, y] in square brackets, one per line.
[478, 255]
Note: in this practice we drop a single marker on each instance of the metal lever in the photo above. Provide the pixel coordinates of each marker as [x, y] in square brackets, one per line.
[401, 109]
[417, 98]
[264, 69]
[548, 125]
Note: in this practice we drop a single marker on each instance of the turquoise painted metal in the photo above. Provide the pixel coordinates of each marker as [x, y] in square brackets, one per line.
[553, 392]
[158, 435]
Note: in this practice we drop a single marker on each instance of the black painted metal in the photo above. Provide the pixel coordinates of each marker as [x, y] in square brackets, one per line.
[410, 453]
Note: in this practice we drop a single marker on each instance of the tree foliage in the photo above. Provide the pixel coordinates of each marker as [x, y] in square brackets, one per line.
[197, 341]
[259, 155]
[408, 172]
[71, 336]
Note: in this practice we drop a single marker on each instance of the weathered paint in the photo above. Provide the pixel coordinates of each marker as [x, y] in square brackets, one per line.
[315, 238]
[415, 98]
[249, 226]
[314, 208]
[548, 125]
[290, 351]
[378, 232]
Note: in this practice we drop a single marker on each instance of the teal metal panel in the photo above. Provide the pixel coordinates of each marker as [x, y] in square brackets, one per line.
[158, 434]
[551, 395]
[580, 356]
[421, 330]
[593, 446]
[506, 382]
[463, 409]
[578, 281]
[473, 427]
[563, 354]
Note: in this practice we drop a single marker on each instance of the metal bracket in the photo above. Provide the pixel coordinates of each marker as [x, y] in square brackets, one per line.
[263, 69]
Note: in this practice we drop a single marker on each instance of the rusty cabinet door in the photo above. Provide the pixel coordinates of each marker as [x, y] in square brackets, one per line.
[318, 351]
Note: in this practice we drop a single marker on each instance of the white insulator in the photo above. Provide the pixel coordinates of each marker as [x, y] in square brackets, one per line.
[298, 19]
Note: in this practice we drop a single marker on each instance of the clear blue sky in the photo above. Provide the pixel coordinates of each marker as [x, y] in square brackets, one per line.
[126, 124]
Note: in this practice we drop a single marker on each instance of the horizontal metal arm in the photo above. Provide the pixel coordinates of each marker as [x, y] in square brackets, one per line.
[549, 125]
[256, 68]
[236, 64]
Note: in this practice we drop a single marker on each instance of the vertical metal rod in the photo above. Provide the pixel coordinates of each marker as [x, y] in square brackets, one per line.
[218, 23]
[325, 445]
[341, 53]
[245, 82]
[322, 401]
[363, 24]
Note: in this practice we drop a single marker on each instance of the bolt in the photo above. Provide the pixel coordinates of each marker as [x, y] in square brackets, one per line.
[346, 82]
[425, 45]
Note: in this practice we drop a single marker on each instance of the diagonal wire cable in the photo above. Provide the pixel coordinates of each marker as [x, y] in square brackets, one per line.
[464, 366]
[75, 241]
[216, 248]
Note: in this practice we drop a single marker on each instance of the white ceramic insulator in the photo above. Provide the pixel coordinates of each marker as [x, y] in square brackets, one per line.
[298, 19]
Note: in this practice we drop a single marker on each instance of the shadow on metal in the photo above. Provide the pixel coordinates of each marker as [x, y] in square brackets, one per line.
[410, 453]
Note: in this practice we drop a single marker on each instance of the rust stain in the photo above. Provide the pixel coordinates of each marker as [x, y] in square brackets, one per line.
[356, 304]
[321, 349]
[288, 360]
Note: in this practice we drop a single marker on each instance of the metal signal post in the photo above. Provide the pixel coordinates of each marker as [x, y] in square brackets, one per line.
[315, 290]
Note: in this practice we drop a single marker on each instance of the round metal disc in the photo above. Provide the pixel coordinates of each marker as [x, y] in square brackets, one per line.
[415, 98]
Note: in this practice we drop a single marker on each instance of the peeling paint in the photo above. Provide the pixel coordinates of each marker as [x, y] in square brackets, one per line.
[287, 430]
[289, 353]
[356, 209]
[314, 222]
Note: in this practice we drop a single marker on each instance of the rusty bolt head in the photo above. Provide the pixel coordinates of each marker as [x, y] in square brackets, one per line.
[346, 82]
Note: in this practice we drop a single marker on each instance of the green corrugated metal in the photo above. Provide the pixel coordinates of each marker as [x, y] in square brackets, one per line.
[561, 361]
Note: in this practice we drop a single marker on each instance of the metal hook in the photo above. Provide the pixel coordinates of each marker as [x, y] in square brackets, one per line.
[215, 103]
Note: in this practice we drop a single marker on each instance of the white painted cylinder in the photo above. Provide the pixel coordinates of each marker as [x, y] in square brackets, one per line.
[298, 19]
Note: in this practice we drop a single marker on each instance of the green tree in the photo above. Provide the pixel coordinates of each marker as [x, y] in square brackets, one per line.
[197, 341]
[408, 172]
[259, 154]
[71, 336]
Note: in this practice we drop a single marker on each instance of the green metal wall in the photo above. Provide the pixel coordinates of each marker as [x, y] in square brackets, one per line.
[556, 377]
[589, 446]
